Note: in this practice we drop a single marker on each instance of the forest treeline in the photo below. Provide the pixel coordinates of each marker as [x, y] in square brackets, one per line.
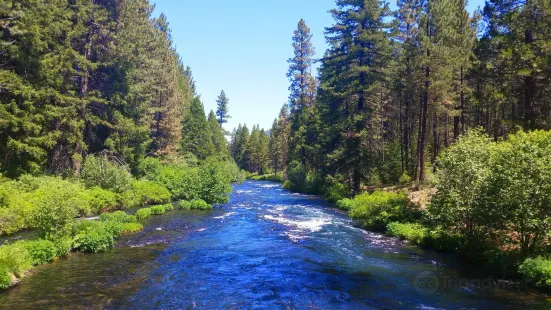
[97, 113]
[79, 77]
[459, 104]
[395, 88]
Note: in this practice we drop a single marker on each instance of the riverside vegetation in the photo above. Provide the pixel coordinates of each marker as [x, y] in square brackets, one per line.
[98, 114]
[428, 97]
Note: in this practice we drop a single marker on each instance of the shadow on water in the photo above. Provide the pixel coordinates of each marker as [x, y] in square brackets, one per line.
[267, 248]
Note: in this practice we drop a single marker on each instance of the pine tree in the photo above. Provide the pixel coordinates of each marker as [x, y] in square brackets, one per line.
[218, 138]
[222, 108]
[196, 134]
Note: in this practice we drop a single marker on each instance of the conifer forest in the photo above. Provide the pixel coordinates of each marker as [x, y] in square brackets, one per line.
[424, 127]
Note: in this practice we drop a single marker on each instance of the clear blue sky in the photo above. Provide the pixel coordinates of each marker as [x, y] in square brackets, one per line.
[242, 46]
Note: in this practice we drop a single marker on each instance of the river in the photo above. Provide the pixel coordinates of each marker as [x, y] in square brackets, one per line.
[266, 249]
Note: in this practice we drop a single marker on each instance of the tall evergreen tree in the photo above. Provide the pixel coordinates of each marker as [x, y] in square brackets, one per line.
[222, 108]
[196, 134]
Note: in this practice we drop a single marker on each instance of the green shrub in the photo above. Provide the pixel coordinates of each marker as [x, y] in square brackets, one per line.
[15, 209]
[537, 271]
[181, 181]
[63, 245]
[5, 277]
[214, 181]
[143, 213]
[102, 200]
[183, 205]
[416, 233]
[117, 216]
[15, 258]
[95, 237]
[200, 204]
[345, 204]
[336, 191]
[128, 228]
[405, 178]
[149, 192]
[169, 207]
[379, 209]
[444, 240]
[40, 251]
[101, 171]
[158, 210]
[55, 210]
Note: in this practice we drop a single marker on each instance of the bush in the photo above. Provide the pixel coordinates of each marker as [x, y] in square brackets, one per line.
[200, 204]
[128, 228]
[345, 204]
[15, 258]
[158, 210]
[183, 205]
[336, 189]
[404, 179]
[215, 182]
[95, 237]
[169, 207]
[143, 213]
[118, 217]
[101, 171]
[15, 209]
[40, 251]
[63, 245]
[416, 233]
[180, 180]
[55, 208]
[148, 192]
[379, 209]
[102, 200]
[5, 277]
[537, 271]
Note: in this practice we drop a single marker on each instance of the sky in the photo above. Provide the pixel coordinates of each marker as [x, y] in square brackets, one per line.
[242, 47]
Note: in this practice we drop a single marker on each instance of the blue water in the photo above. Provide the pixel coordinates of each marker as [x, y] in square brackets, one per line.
[267, 249]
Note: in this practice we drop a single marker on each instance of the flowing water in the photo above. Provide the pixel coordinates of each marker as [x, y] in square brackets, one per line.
[267, 249]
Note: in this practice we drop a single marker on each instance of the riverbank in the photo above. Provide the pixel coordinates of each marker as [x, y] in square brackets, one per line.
[87, 235]
[237, 255]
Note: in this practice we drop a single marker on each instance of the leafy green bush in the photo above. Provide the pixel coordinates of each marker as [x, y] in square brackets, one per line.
[169, 207]
[117, 216]
[95, 237]
[15, 258]
[200, 204]
[143, 213]
[15, 209]
[459, 203]
[5, 277]
[149, 192]
[102, 200]
[336, 189]
[215, 182]
[40, 251]
[377, 210]
[405, 178]
[158, 210]
[181, 181]
[345, 204]
[55, 208]
[128, 228]
[183, 205]
[102, 172]
[537, 271]
[416, 233]
[63, 245]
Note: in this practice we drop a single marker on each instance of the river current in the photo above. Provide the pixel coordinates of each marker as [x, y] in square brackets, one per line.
[267, 248]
